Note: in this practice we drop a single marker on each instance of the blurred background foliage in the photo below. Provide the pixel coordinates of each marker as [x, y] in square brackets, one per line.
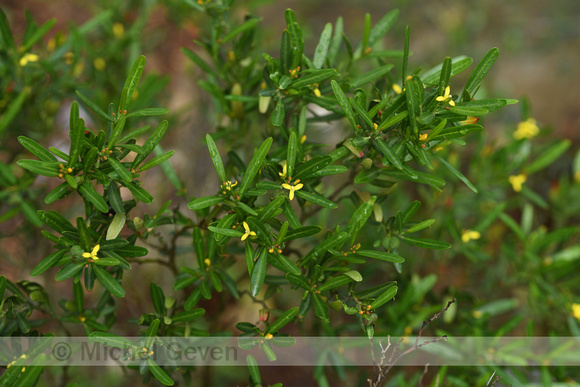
[516, 277]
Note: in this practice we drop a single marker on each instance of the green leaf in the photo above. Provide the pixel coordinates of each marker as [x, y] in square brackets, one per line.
[158, 373]
[254, 370]
[379, 72]
[320, 308]
[302, 232]
[260, 229]
[468, 110]
[316, 199]
[291, 153]
[117, 130]
[115, 198]
[2, 280]
[134, 134]
[459, 63]
[56, 221]
[278, 114]
[216, 158]
[88, 192]
[426, 243]
[249, 24]
[6, 34]
[226, 231]
[201, 63]
[109, 282]
[112, 340]
[420, 226]
[259, 272]
[290, 215]
[382, 255]
[322, 48]
[296, 39]
[336, 42]
[343, 102]
[362, 113]
[116, 226]
[311, 167]
[283, 320]
[480, 71]
[188, 315]
[131, 83]
[335, 282]
[36, 149]
[269, 211]
[457, 131]
[46, 263]
[457, 174]
[414, 93]
[385, 297]
[391, 156]
[299, 280]
[94, 107]
[31, 40]
[255, 165]
[360, 217]
[69, 270]
[548, 156]
[312, 77]
[328, 170]
[129, 251]
[382, 27]
[375, 291]
[328, 243]
[44, 168]
[151, 143]
[287, 264]
[121, 170]
[201, 203]
[157, 298]
[156, 161]
[139, 193]
[147, 112]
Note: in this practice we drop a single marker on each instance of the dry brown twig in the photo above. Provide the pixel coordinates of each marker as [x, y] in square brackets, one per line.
[382, 369]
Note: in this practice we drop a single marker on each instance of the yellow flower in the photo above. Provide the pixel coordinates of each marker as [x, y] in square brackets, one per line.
[317, 92]
[468, 235]
[527, 129]
[576, 311]
[423, 137]
[268, 336]
[284, 170]
[28, 57]
[293, 188]
[248, 232]
[99, 64]
[302, 139]
[397, 89]
[118, 30]
[446, 97]
[517, 181]
[93, 254]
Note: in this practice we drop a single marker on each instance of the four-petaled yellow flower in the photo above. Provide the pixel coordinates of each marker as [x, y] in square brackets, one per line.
[248, 232]
[93, 254]
[517, 181]
[293, 188]
[527, 129]
[28, 57]
[576, 311]
[446, 97]
[468, 235]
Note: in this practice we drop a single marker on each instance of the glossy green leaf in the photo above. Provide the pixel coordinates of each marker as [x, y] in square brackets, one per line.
[121, 170]
[44, 168]
[316, 199]
[131, 83]
[382, 27]
[188, 315]
[336, 42]
[302, 232]
[382, 255]
[88, 192]
[69, 270]
[321, 50]
[56, 221]
[151, 143]
[290, 215]
[259, 272]
[343, 102]
[115, 198]
[260, 229]
[269, 211]
[254, 370]
[457, 174]
[388, 153]
[282, 320]
[201, 203]
[156, 161]
[328, 243]
[36, 149]
[255, 165]
[457, 131]
[459, 63]
[278, 114]
[379, 72]
[216, 158]
[468, 110]
[117, 130]
[47, 263]
[362, 113]
[385, 297]
[94, 107]
[296, 39]
[112, 340]
[226, 231]
[480, 71]
[116, 226]
[201, 63]
[334, 283]
[320, 308]
[158, 373]
[414, 94]
[139, 193]
[157, 298]
[249, 24]
[291, 154]
[148, 112]
[311, 166]
[426, 243]
[312, 77]
[108, 281]
[129, 251]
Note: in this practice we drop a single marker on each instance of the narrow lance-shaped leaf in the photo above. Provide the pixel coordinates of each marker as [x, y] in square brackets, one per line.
[371, 76]
[36, 149]
[426, 243]
[216, 158]
[388, 153]
[121, 170]
[382, 255]
[313, 77]
[320, 308]
[88, 192]
[335, 282]
[405, 56]
[245, 26]
[480, 71]
[283, 320]
[343, 102]
[296, 39]
[151, 143]
[112, 340]
[278, 114]
[259, 272]
[291, 153]
[132, 82]
[109, 282]
[548, 156]
[457, 174]
[47, 263]
[158, 373]
[117, 130]
[44, 168]
[385, 297]
[255, 165]
[201, 203]
[77, 135]
[382, 27]
[94, 107]
[321, 50]
[316, 199]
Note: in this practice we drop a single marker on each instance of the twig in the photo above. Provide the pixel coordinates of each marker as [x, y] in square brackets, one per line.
[423, 374]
